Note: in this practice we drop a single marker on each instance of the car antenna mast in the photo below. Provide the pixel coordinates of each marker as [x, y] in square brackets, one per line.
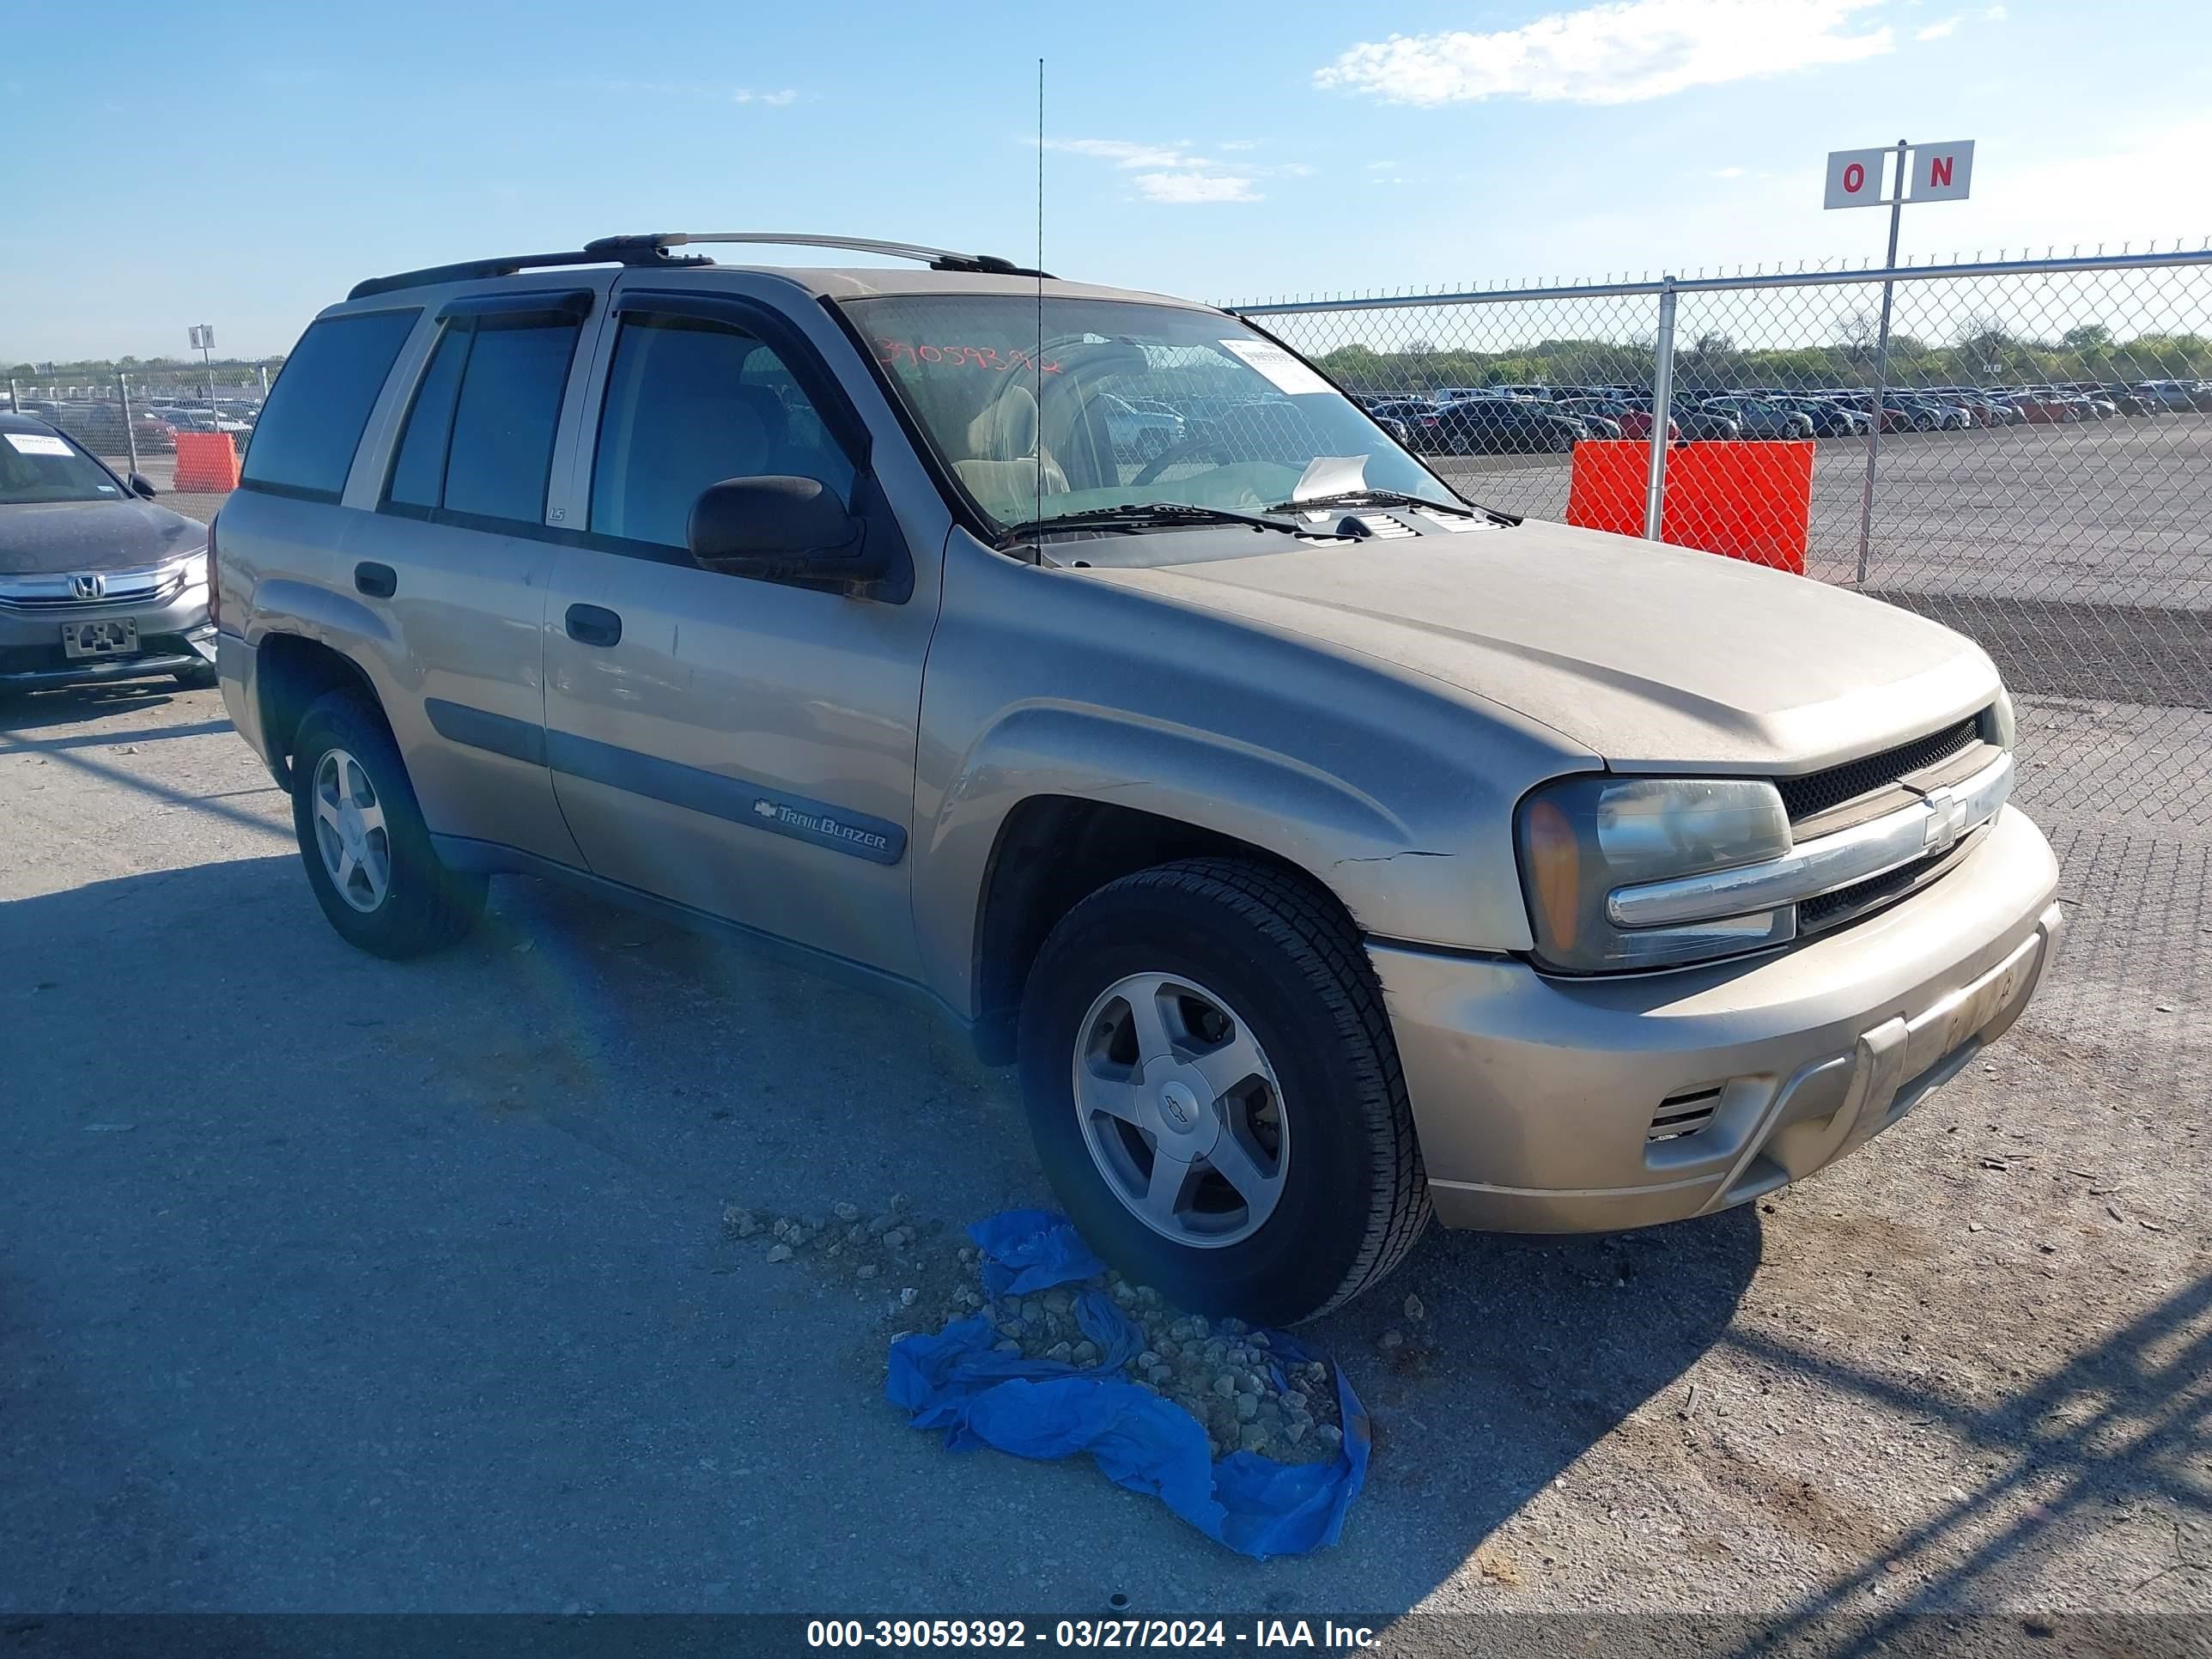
[1037, 363]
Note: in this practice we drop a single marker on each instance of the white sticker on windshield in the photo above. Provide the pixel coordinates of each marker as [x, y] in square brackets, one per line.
[1331, 475]
[1283, 372]
[36, 443]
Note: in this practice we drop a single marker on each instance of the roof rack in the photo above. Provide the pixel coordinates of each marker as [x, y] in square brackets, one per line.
[653, 248]
[937, 258]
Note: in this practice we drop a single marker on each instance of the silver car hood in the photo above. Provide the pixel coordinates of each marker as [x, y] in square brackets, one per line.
[1653, 657]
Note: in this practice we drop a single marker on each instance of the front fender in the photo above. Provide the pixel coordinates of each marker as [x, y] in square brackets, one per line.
[1393, 789]
[1431, 867]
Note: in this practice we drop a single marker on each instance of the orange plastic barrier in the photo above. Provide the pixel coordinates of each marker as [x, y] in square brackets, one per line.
[1745, 501]
[207, 463]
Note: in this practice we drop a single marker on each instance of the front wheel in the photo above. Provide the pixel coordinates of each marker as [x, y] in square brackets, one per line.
[1215, 1095]
[363, 838]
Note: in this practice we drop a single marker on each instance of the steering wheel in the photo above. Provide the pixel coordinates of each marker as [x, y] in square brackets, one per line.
[1203, 443]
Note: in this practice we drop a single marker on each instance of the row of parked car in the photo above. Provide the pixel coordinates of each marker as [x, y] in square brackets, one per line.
[1536, 419]
[98, 423]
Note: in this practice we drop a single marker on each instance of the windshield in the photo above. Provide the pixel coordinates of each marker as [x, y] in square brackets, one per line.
[1129, 403]
[39, 467]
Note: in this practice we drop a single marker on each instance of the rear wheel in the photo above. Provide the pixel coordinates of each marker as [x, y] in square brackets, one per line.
[363, 837]
[1214, 1093]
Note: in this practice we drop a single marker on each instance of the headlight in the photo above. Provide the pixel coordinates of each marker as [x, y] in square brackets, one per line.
[1999, 726]
[1582, 837]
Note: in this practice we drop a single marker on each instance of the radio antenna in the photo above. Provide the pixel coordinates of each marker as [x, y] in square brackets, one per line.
[1037, 363]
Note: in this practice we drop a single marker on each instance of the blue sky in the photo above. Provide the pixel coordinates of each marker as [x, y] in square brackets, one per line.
[243, 164]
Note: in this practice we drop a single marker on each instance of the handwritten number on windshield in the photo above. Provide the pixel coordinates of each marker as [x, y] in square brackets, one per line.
[894, 353]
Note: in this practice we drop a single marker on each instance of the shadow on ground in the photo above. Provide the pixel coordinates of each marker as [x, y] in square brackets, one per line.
[345, 1284]
[28, 711]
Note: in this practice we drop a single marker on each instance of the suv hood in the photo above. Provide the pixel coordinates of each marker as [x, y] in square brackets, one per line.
[44, 539]
[1653, 657]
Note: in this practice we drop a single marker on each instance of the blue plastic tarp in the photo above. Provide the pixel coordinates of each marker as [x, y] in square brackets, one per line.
[956, 1381]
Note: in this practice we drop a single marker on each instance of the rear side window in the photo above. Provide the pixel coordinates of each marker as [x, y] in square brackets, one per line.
[478, 442]
[418, 475]
[303, 443]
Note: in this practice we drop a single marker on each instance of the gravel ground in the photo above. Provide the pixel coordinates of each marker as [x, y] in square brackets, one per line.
[326, 1283]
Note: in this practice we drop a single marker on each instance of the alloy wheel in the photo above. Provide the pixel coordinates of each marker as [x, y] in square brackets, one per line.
[350, 832]
[1180, 1109]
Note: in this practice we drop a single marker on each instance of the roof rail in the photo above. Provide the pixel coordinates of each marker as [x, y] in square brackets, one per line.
[653, 248]
[467, 269]
[937, 258]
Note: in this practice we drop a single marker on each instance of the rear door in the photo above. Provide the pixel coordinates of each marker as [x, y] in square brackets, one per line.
[458, 554]
[743, 746]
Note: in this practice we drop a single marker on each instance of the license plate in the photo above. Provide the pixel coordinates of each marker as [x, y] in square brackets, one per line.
[116, 636]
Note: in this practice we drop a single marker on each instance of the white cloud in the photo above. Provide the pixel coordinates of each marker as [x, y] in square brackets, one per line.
[1189, 187]
[782, 98]
[1937, 31]
[1993, 14]
[1381, 167]
[1124, 154]
[1617, 53]
[1729, 173]
[1172, 172]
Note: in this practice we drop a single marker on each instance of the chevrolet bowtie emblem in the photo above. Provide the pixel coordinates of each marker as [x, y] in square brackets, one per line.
[1947, 820]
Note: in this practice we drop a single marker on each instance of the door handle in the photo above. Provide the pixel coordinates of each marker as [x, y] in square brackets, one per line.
[590, 625]
[379, 581]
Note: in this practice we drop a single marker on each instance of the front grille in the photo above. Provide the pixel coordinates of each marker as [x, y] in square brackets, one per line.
[1848, 903]
[134, 591]
[1822, 792]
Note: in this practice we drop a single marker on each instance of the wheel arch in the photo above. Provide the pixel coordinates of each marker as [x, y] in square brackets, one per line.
[291, 672]
[1051, 853]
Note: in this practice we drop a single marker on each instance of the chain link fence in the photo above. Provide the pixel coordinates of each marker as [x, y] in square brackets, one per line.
[2025, 454]
[2040, 478]
[130, 416]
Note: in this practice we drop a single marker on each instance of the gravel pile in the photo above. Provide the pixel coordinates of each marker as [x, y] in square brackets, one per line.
[1220, 1371]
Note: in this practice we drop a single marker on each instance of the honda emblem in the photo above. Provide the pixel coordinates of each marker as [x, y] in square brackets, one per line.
[88, 587]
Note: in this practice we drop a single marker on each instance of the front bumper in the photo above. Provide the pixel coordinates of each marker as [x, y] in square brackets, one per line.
[173, 635]
[1536, 1097]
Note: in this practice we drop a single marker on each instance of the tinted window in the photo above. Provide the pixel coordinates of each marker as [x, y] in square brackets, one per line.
[688, 404]
[306, 437]
[418, 475]
[503, 424]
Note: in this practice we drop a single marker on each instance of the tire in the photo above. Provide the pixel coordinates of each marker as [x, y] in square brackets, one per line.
[1350, 1196]
[423, 906]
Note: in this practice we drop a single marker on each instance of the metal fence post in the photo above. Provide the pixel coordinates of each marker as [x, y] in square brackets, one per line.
[129, 432]
[1662, 403]
[14, 404]
[262, 370]
[1880, 364]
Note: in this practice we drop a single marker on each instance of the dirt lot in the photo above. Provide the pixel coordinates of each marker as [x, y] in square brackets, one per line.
[326, 1283]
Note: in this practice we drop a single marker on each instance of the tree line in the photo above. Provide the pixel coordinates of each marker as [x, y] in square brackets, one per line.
[1981, 351]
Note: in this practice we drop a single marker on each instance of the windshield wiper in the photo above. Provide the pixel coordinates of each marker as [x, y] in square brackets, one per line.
[1377, 497]
[1143, 513]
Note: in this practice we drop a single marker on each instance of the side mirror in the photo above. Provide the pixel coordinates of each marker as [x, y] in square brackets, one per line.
[142, 486]
[780, 527]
